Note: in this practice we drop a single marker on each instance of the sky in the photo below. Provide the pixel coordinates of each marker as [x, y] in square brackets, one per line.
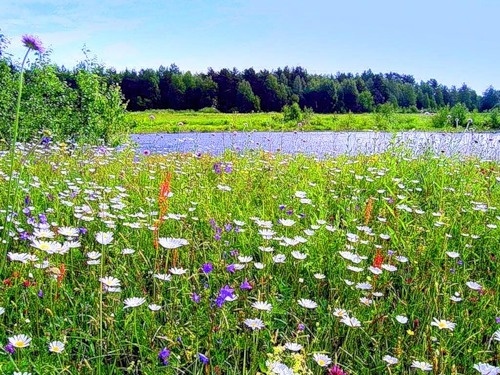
[454, 42]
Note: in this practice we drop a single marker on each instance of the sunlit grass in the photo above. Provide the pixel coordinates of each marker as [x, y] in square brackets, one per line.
[346, 260]
[190, 121]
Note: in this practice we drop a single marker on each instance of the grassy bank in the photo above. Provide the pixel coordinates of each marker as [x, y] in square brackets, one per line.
[249, 264]
[190, 121]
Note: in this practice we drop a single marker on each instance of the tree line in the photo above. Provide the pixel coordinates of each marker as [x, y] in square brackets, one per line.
[269, 91]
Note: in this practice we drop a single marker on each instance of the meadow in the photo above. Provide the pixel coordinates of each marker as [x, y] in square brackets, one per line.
[190, 121]
[254, 263]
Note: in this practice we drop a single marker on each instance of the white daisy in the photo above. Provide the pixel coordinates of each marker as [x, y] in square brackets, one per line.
[390, 360]
[307, 303]
[104, 238]
[322, 359]
[56, 347]
[172, 243]
[293, 346]
[260, 305]
[254, 324]
[133, 302]
[424, 366]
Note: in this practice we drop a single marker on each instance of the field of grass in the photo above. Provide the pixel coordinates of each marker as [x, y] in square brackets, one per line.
[113, 263]
[190, 121]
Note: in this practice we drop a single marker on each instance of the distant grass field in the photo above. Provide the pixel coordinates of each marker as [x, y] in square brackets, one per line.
[190, 121]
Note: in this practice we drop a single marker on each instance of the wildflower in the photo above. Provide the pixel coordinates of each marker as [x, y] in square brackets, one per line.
[2, 310]
[298, 255]
[452, 254]
[245, 285]
[68, 231]
[20, 341]
[363, 286]
[207, 268]
[487, 369]
[254, 324]
[203, 358]
[9, 348]
[177, 271]
[293, 346]
[110, 283]
[162, 276]
[322, 359]
[301, 327]
[351, 321]
[195, 298]
[279, 258]
[307, 303]
[474, 286]
[286, 222]
[18, 257]
[340, 313]
[263, 306]
[154, 307]
[172, 243]
[226, 293]
[163, 356]
[496, 335]
[33, 42]
[104, 238]
[424, 366]
[402, 319]
[390, 360]
[134, 302]
[56, 347]
[336, 370]
[443, 324]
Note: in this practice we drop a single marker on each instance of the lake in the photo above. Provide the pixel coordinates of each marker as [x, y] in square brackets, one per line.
[485, 145]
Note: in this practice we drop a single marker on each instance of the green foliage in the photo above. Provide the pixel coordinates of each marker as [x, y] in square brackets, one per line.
[494, 118]
[90, 110]
[459, 114]
[292, 113]
[209, 110]
[442, 118]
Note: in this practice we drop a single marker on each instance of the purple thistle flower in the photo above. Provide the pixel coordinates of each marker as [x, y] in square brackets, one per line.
[203, 358]
[32, 42]
[9, 348]
[207, 268]
[163, 356]
[245, 285]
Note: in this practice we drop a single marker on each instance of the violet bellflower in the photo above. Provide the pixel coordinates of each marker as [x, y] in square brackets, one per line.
[163, 356]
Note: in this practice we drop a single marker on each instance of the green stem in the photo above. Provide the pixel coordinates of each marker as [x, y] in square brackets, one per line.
[15, 129]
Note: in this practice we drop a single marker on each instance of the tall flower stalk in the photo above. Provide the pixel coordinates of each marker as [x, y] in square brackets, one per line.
[31, 43]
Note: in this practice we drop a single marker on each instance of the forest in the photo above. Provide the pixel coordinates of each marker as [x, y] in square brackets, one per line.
[230, 90]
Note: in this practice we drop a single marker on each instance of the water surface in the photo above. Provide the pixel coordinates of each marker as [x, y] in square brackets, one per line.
[485, 145]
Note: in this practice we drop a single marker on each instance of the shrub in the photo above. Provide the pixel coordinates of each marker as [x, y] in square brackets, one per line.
[209, 110]
[292, 112]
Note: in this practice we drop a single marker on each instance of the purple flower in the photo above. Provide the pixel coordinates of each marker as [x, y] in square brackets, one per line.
[195, 298]
[27, 200]
[217, 168]
[27, 211]
[146, 152]
[301, 327]
[207, 268]
[224, 293]
[203, 358]
[231, 268]
[228, 227]
[32, 42]
[234, 252]
[24, 236]
[40, 293]
[289, 212]
[82, 230]
[245, 285]
[43, 218]
[497, 320]
[336, 370]
[282, 207]
[9, 348]
[163, 356]
[228, 168]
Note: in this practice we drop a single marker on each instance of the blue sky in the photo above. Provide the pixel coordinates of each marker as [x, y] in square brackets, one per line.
[454, 42]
